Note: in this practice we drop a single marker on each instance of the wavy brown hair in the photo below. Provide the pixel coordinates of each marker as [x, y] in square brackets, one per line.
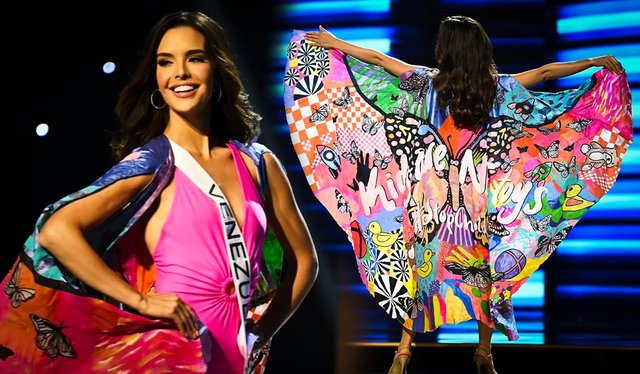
[231, 118]
[466, 81]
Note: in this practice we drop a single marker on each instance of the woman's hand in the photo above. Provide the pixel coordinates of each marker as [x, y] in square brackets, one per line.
[323, 38]
[608, 62]
[170, 306]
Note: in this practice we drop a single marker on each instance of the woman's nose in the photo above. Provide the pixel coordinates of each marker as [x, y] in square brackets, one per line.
[182, 72]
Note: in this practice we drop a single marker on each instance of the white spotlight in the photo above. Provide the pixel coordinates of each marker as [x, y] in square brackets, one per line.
[109, 67]
[42, 129]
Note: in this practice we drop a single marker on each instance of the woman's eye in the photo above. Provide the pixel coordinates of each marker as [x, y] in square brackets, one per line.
[164, 62]
[196, 59]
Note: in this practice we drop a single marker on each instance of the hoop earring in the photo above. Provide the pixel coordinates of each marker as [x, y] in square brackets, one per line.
[154, 104]
[219, 89]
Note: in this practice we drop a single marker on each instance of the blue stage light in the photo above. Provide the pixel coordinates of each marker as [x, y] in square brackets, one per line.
[593, 291]
[318, 9]
[596, 7]
[602, 247]
[597, 23]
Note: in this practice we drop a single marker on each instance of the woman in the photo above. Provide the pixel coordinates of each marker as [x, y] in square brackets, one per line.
[441, 177]
[158, 266]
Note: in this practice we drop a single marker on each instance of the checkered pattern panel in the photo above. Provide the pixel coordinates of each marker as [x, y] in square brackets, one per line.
[306, 135]
[604, 180]
[350, 118]
[605, 177]
[608, 138]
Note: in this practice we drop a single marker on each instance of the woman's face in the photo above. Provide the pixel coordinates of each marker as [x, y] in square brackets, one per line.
[184, 71]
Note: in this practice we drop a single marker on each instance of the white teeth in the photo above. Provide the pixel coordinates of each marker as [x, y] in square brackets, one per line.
[183, 88]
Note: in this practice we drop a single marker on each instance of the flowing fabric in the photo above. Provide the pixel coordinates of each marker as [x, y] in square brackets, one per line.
[447, 224]
[52, 323]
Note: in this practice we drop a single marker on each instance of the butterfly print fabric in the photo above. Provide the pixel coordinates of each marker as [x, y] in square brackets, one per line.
[447, 224]
[51, 324]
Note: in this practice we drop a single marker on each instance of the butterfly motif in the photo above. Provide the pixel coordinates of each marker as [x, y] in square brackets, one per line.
[522, 149]
[517, 130]
[547, 131]
[548, 244]
[541, 224]
[496, 228]
[475, 276]
[412, 306]
[337, 143]
[401, 110]
[50, 338]
[380, 161]
[353, 155]
[17, 294]
[499, 98]
[369, 126]
[565, 171]
[415, 83]
[5, 352]
[506, 165]
[569, 148]
[320, 114]
[343, 206]
[394, 97]
[346, 99]
[551, 151]
[579, 125]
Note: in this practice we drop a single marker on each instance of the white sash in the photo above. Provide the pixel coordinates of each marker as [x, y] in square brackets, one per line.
[236, 248]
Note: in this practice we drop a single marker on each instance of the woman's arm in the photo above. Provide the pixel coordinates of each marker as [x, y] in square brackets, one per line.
[328, 40]
[562, 69]
[63, 236]
[300, 254]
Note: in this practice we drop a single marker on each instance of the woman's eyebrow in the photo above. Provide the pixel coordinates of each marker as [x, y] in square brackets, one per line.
[189, 52]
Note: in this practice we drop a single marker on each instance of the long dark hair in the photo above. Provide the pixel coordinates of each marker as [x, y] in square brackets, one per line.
[232, 118]
[466, 81]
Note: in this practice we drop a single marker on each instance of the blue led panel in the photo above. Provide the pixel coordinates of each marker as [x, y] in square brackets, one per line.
[596, 7]
[326, 8]
[598, 20]
[597, 23]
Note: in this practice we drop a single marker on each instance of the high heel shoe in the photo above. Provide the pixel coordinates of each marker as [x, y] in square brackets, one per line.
[484, 364]
[400, 361]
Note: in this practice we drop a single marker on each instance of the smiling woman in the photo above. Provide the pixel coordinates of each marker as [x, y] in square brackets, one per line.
[177, 250]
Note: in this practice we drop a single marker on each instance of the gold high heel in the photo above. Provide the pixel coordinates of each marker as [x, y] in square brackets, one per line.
[400, 362]
[484, 364]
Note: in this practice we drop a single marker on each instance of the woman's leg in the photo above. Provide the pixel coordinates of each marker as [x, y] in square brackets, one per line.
[404, 347]
[483, 357]
[484, 339]
[403, 353]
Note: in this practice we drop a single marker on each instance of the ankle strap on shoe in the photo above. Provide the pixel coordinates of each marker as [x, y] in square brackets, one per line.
[484, 349]
[403, 347]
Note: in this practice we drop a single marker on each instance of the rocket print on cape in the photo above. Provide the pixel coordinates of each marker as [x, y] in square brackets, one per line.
[447, 224]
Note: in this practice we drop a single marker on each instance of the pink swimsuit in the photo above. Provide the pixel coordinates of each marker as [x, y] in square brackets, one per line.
[191, 260]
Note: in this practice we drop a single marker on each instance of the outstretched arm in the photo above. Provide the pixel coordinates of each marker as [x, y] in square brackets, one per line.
[562, 69]
[328, 40]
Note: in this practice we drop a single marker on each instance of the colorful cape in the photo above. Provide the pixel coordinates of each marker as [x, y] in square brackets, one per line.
[447, 224]
[51, 323]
